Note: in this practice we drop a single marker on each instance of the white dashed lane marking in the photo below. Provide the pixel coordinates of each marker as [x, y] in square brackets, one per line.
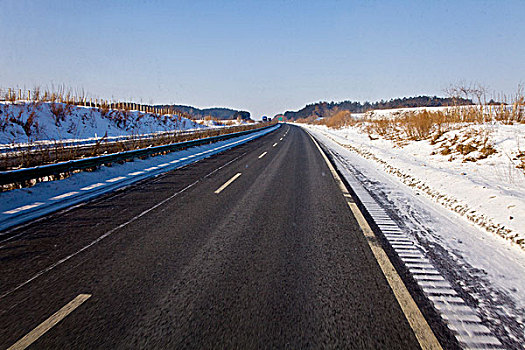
[49, 323]
[25, 207]
[227, 183]
[115, 179]
[62, 196]
[90, 187]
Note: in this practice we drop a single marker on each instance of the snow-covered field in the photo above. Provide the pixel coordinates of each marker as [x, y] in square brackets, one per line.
[489, 192]
[26, 122]
[392, 113]
[468, 216]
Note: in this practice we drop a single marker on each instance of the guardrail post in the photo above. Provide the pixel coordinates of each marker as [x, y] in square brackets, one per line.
[20, 175]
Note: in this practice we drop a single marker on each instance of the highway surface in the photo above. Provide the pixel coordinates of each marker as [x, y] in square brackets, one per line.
[253, 248]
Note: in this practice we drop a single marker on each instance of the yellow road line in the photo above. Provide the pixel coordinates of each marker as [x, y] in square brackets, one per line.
[45, 326]
[420, 327]
[219, 190]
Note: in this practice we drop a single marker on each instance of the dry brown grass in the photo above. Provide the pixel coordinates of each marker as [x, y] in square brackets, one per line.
[472, 140]
[338, 120]
[60, 111]
[216, 121]
[424, 124]
[309, 120]
[60, 153]
[521, 161]
[472, 143]
[78, 97]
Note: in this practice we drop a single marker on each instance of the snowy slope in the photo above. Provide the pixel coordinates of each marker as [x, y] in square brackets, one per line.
[25, 122]
[395, 112]
[489, 192]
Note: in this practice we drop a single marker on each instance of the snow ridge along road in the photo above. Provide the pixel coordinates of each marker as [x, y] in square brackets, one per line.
[459, 317]
[419, 324]
[482, 191]
[476, 290]
[22, 205]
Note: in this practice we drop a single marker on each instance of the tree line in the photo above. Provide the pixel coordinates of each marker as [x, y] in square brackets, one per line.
[323, 109]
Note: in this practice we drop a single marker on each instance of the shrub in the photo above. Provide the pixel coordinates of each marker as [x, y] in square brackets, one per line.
[60, 111]
[338, 120]
[30, 124]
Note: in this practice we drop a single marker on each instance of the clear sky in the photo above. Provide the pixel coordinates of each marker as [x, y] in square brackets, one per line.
[262, 56]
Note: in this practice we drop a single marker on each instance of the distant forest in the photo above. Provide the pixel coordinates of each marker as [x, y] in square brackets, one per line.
[218, 113]
[324, 109]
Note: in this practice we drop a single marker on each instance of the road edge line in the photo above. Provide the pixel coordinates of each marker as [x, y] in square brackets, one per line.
[424, 334]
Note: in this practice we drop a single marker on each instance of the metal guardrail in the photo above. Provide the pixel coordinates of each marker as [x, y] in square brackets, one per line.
[20, 175]
[44, 145]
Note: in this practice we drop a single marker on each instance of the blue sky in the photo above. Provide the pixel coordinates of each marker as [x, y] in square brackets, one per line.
[262, 56]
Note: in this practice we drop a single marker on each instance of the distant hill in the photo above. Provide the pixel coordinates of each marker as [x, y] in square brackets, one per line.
[324, 109]
[219, 113]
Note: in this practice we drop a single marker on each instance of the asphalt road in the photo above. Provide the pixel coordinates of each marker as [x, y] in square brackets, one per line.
[274, 260]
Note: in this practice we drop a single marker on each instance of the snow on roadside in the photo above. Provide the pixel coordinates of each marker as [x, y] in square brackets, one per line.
[489, 192]
[46, 197]
[395, 112]
[23, 122]
[483, 267]
[214, 123]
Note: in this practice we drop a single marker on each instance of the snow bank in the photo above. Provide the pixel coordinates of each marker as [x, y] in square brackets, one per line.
[485, 270]
[395, 112]
[489, 192]
[25, 122]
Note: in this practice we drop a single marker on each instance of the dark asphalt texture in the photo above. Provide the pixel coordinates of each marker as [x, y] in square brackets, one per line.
[276, 260]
